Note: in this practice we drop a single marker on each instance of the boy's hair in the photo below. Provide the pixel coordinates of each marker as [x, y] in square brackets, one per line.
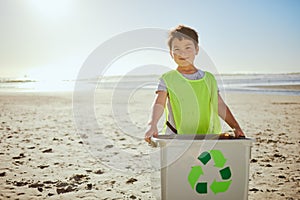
[183, 32]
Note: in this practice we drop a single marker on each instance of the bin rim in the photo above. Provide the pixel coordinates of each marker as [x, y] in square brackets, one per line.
[197, 137]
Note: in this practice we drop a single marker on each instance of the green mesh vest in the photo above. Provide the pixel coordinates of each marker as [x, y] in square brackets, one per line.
[194, 103]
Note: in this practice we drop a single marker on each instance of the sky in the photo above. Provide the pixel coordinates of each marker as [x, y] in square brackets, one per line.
[53, 38]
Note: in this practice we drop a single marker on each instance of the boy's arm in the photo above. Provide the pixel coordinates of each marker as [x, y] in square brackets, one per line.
[157, 111]
[227, 116]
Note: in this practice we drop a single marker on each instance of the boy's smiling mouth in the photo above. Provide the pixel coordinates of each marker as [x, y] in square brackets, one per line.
[183, 58]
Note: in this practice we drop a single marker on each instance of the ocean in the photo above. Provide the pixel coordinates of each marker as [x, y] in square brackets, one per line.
[281, 84]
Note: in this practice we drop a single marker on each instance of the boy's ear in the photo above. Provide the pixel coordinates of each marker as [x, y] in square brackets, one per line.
[197, 49]
[171, 54]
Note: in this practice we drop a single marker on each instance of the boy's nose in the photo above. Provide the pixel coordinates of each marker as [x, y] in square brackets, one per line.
[182, 53]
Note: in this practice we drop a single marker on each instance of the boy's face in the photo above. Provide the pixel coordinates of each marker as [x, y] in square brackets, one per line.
[183, 52]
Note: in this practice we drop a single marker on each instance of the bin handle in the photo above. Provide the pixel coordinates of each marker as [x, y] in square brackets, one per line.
[153, 142]
[229, 136]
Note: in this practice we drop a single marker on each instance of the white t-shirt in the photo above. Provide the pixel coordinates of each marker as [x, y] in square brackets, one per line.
[162, 87]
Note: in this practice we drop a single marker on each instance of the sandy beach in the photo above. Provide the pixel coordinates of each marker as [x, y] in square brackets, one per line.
[43, 157]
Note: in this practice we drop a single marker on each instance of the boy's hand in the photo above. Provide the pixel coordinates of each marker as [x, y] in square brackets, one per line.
[152, 131]
[239, 133]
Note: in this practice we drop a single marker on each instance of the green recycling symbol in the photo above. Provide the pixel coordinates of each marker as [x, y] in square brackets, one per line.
[216, 186]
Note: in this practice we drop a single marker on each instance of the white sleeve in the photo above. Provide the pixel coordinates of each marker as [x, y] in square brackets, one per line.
[161, 85]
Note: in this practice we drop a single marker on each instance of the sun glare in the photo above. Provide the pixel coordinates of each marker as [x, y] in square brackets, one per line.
[53, 74]
[51, 9]
[50, 79]
[42, 74]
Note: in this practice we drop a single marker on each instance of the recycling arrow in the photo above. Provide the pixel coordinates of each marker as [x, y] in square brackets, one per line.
[221, 186]
[194, 175]
[218, 157]
[216, 186]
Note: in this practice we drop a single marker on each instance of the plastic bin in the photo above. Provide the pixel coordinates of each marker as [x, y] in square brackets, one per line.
[203, 167]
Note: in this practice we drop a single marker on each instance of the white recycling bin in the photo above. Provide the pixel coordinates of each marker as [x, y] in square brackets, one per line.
[203, 167]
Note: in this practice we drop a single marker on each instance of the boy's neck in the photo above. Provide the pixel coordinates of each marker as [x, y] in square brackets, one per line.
[189, 69]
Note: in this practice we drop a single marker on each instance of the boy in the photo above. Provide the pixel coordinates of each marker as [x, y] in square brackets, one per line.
[194, 103]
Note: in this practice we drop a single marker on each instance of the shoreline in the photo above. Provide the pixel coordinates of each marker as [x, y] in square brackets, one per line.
[261, 89]
[280, 87]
